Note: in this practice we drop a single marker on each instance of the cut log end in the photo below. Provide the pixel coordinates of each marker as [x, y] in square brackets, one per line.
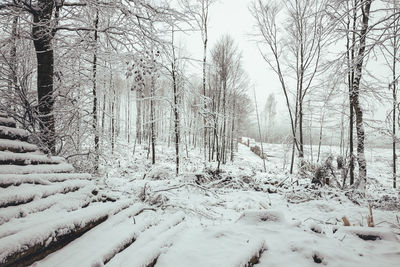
[345, 221]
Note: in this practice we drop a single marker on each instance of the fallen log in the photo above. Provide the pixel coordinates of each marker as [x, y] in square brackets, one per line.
[41, 250]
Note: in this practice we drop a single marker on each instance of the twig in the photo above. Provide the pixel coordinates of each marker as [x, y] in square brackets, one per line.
[320, 221]
[182, 185]
[300, 201]
[216, 182]
[392, 224]
[342, 238]
[281, 183]
[139, 212]
[192, 210]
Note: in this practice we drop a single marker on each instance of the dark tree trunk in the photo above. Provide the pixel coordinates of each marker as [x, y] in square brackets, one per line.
[223, 133]
[94, 111]
[139, 116]
[12, 82]
[204, 95]
[394, 88]
[113, 122]
[351, 81]
[176, 119]
[42, 35]
[233, 125]
[394, 126]
[362, 165]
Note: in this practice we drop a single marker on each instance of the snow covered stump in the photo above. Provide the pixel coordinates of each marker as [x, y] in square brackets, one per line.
[44, 205]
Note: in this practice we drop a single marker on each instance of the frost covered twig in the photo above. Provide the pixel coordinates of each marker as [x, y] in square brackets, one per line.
[192, 210]
[392, 224]
[183, 185]
[281, 183]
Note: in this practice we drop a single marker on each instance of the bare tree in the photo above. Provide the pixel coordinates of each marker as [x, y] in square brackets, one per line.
[199, 11]
[390, 52]
[365, 7]
[304, 35]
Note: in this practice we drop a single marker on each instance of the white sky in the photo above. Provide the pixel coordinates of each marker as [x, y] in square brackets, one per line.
[233, 17]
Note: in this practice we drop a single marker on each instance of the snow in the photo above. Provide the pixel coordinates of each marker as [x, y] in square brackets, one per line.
[148, 245]
[102, 242]
[40, 168]
[47, 227]
[257, 217]
[6, 121]
[16, 145]
[67, 202]
[40, 178]
[205, 218]
[21, 133]
[26, 192]
[29, 158]
[225, 245]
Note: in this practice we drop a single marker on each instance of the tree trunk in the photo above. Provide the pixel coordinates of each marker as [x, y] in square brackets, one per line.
[152, 124]
[94, 111]
[128, 116]
[350, 51]
[394, 85]
[259, 131]
[320, 136]
[362, 165]
[113, 122]
[223, 134]
[42, 39]
[394, 125]
[233, 125]
[176, 117]
[138, 117]
[12, 82]
[204, 94]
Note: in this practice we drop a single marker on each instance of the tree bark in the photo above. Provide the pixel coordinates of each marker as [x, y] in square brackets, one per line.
[94, 111]
[176, 116]
[394, 88]
[362, 165]
[152, 123]
[42, 39]
[204, 88]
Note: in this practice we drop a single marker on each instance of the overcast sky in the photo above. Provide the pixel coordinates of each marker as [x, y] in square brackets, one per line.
[233, 17]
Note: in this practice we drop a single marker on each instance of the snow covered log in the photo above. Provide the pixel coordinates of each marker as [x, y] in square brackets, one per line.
[13, 133]
[17, 195]
[65, 202]
[34, 243]
[368, 233]
[222, 245]
[41, 168]
[7, 122]
[44, 248]
[17, 146]
[7, 158]
[43, 205]
[106, 240]
[7, 180]
[149, 245]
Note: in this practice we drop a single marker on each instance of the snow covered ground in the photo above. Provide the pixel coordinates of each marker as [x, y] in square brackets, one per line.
[241, 212]
[241, 216]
